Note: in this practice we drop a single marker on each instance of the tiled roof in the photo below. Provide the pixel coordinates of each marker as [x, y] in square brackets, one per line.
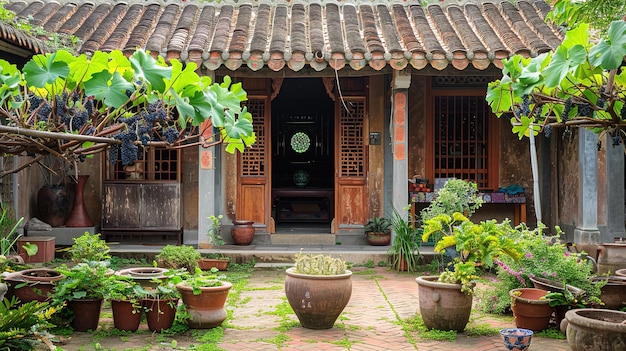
[279, 33]
[21, 39]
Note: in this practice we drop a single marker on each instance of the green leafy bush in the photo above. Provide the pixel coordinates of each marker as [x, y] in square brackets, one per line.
[183, 256]
[89, 247]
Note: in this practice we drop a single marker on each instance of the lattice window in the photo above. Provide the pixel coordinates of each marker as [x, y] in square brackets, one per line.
[461, 138]
[155, 163]
[253, 160]
[351, 138]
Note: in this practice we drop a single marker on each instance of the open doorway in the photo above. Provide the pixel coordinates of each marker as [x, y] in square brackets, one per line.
[303, 157]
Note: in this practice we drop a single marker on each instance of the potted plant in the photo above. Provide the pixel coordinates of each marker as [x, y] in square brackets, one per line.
[545, 263]
[456, 195]
[89, 247]
[160, 301]
[404, 252]
[378, 231]
[475, 247]
[83, 289]
[204, 296]
[125, 295]
[178, 256]
[318, 288]
[216, 259]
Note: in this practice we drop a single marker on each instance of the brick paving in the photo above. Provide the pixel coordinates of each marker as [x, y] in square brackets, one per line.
[370, 322]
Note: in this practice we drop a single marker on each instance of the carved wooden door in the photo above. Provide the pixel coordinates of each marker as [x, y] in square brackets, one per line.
[351, 167]
[253, 202]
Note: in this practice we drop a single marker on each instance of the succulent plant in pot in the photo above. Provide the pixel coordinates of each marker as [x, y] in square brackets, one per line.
[318, 288]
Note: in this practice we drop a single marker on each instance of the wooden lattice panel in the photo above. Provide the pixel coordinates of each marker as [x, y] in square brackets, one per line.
[351, 138]
[462, 138]
[253, 160]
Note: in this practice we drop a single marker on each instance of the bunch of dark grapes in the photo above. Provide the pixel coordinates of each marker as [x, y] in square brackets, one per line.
[89, 105]
[114, 150]
[567, 107]
[129, 152]
[547, 131]
[584, 109]
[623, 111]
[600, 103]
[171, 135]
[145, 138]
[525, 109]
[44, 111]
[35, 101]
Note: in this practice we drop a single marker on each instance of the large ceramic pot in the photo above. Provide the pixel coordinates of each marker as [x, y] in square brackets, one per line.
[242, 232]
[206, 310]
[86, 314]
[443, 306]
[35, 284]
[126, 316]
[530, 309]
[54, 204]
[160, 313]
[593, 329]
[611, 257]
[318, 300]
[613, 293]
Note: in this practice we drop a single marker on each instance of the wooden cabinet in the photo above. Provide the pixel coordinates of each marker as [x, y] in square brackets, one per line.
[142, 209]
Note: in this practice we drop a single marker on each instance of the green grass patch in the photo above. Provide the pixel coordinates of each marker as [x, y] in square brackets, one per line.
[551, 333]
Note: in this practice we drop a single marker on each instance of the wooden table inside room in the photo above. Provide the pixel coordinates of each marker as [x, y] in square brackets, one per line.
[518, 201]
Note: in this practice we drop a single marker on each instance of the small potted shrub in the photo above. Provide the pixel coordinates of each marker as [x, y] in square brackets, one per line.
[378, 231]
[175, 257]
[204, 295]
[215, 259]
[160, 301]
[473, 247]
[318, 288]
[83, 289]
[125, 295]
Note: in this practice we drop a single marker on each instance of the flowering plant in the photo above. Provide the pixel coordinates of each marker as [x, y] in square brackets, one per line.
[543, 257]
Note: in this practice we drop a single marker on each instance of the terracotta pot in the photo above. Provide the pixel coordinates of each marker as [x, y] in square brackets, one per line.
[32, 284]
[54, 204]
[378, 238]
[126, 317]
[318, 300]
[160, 314]
[206, 310]
[443, 306]
[529, 309]
[242, 232]
[86, 314]
[207, 263]
[621, 272]
[613, 293]
[611, 257]
[554, 286]
[516, 339]
[592, 329]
